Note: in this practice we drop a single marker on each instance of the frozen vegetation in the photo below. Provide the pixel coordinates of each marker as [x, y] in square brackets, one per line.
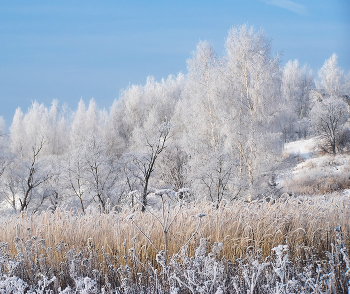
[231, 178]
[258, 247]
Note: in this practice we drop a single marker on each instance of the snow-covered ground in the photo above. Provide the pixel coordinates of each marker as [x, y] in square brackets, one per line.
[302, 148]
[309, 167]
[294, 153]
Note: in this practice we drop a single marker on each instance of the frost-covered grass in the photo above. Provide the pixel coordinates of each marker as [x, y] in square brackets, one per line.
[261, 247]
[314, 172]
[321, 175]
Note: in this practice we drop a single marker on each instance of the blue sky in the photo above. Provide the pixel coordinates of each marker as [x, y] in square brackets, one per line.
[66, 50]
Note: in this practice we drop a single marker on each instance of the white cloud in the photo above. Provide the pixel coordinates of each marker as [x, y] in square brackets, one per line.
[288, 4]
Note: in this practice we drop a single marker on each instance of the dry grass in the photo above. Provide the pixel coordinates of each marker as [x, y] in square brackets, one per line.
[307, 221]
[322, 185]
[321, 175]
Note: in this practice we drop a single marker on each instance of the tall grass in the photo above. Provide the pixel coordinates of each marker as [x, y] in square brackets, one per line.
[307, 221]
[267, 246]
[321, 175]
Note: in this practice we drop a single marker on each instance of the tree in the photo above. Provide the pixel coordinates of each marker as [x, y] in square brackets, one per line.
[78, 126]
[200, 121]
[91, 174]
[328, 118]
[140, 127]
[33, 178]
[296, 86]
[55, 130]
[253, 104]
[17, 134]
[26, 179]
[173, 167]
[332, 77]
[100, 173]
[5, 166]
[9, 186]
[74, 169]
[4, 156]
[31, 168]
[229, 116]
[145, 161]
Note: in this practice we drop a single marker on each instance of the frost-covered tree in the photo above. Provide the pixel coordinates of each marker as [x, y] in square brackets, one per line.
[229, 115]
[4, 156]
[117, 131]
[144, 161]
[27, 178]
[5, 160]
[17, 134]
[253, 104]
[31, 169]
[90, 175]
[55, 130]
[36, 125]
[9, 187]
[328, 118]
[136, 126]
[333, 80]
[296, 86]
[173, 168]
[78, 126]
[200, 120]
[74, 178]
[138, 104]
[101, 173]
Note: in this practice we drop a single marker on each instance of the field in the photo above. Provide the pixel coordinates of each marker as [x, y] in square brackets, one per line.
[231, 178]
[113, 251]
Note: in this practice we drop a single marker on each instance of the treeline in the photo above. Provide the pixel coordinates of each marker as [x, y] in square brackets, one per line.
[218, 130]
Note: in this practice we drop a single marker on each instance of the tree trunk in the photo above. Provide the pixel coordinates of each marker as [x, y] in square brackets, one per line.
[144, 196]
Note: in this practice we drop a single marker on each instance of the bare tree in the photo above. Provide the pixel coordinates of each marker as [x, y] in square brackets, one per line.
[145, 162]
[9, 186]
[101, 172]
[328, 118]
[29, 175]
[74, 176]
[173, 167]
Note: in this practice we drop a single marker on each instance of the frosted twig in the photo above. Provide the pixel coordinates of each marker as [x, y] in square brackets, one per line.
[174, 218]
[194, 233]
[149, 240]
[157, 218]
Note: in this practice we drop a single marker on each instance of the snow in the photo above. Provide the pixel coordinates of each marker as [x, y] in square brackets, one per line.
[308, 165]
[302, 148]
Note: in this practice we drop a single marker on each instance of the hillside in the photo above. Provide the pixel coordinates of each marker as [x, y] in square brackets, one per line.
[313, 172]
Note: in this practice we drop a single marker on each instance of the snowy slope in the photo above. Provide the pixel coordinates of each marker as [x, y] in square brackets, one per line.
[312, 173]
[302, 148]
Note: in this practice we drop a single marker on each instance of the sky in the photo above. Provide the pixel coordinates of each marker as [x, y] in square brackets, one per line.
[68, 50]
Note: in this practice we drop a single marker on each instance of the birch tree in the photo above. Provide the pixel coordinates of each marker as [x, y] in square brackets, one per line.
[200, 116]
[297, 84]
[332, 77]
[253, 92]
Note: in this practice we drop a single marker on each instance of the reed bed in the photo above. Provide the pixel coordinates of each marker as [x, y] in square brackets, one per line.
[295, 221]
